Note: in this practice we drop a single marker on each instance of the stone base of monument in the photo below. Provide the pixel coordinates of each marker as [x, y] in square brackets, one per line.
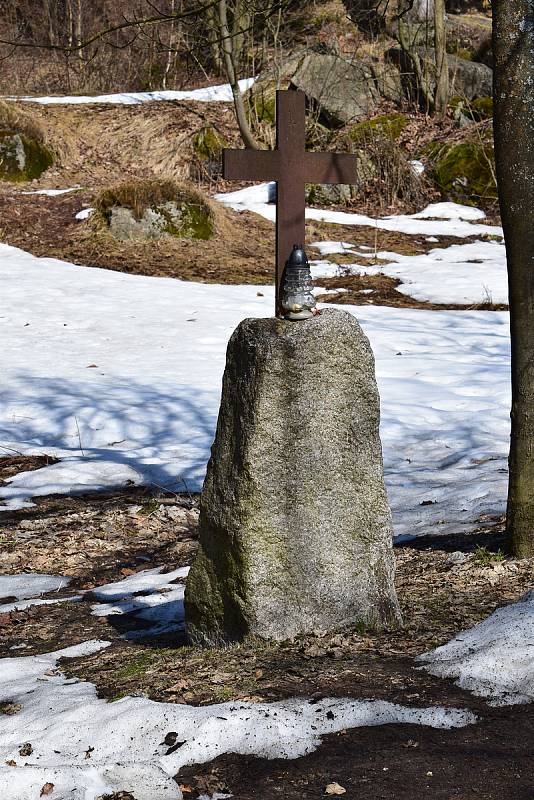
[295, 527]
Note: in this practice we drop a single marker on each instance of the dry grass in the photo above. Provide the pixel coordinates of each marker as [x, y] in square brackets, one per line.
[143, 194]
[13, 117]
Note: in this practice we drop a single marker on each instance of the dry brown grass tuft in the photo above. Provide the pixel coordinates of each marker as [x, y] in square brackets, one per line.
[20, 120]
[142, 194]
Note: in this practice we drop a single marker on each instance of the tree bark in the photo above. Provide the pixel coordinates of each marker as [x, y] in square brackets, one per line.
[441, 93]
[513, 48]
[229, 63]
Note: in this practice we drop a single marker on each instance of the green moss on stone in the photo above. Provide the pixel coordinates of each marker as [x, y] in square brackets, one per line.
[386, 125]
[464, 172]
[262, 103]
[483, 107]
[22, 158]
[476, 110]
[157, 207]
[194, 221]
[208, 143]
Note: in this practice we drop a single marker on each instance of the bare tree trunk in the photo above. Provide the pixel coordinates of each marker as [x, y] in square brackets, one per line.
[441, 94]
[406, 41]
[229, 63]
[50, 21]
[171, 48]
[213, 38]
[78, 29]
[513, 48]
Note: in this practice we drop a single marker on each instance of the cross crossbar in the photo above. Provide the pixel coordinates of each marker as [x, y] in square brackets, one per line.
[291, 166]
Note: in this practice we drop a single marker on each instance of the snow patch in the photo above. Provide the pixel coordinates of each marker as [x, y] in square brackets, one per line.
[150, 597]
[495, 659]
[64, 721]
[437, 219]
[210, 94]
[466, 274]
[119, 377]
[53, 192]
[85, 213]
[30, 584]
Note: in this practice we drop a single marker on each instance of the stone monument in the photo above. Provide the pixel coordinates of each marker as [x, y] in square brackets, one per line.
[295, 528]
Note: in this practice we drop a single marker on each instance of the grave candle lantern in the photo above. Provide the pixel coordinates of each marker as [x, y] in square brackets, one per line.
[297, 295]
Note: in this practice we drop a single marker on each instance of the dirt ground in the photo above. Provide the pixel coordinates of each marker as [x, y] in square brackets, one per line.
[445, 584]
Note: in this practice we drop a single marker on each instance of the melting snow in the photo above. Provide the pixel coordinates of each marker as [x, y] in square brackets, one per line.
[210, 94]
[438, 219]
[495, 659]
[53, 192]
[87, 747]
[463, 274]
[85, 213]
[90, 379]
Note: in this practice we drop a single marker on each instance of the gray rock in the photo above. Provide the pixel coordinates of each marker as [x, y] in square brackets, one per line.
[343, 90]
[295, 527]
[457, 557]
[153, 224]
[22, 158]
[325, 194]
[467, 79]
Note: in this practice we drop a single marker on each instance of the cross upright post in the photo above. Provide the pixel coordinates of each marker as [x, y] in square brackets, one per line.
[291, 166]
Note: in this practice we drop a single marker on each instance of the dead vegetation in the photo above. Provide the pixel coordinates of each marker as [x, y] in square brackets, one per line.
[17, 119]
[143, 194]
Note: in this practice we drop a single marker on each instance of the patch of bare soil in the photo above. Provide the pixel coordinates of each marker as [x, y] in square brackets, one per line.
[13, 465]
[491, 760]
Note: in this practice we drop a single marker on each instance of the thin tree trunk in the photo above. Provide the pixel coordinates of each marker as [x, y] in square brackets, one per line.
[513, 48]
[441, 94]
[50, 21]
[229, 63]
[170, 49]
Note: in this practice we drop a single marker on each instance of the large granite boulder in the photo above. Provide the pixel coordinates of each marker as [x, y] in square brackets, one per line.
[295, 527]
[342, 90]
[467, 79]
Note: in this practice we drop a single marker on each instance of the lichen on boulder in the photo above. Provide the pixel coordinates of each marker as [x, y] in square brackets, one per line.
[465, 171]
[208, 144]
[23, 152]
[389, 125]
[150, 209]
[295, 529]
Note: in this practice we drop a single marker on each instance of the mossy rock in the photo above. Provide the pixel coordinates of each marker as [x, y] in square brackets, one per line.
[261, 103]
[21, 157]
[483, 107]
[155, 208]
[476, 110]
[464, 172]
[387, 125]
[184, 220]
[320, 194]
[208, 144]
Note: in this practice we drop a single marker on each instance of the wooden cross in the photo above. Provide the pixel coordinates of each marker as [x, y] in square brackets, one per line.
[291, 167]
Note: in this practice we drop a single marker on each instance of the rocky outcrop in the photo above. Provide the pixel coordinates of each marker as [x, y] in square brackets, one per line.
[343, 91]
[467, 79]
[21, 157]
